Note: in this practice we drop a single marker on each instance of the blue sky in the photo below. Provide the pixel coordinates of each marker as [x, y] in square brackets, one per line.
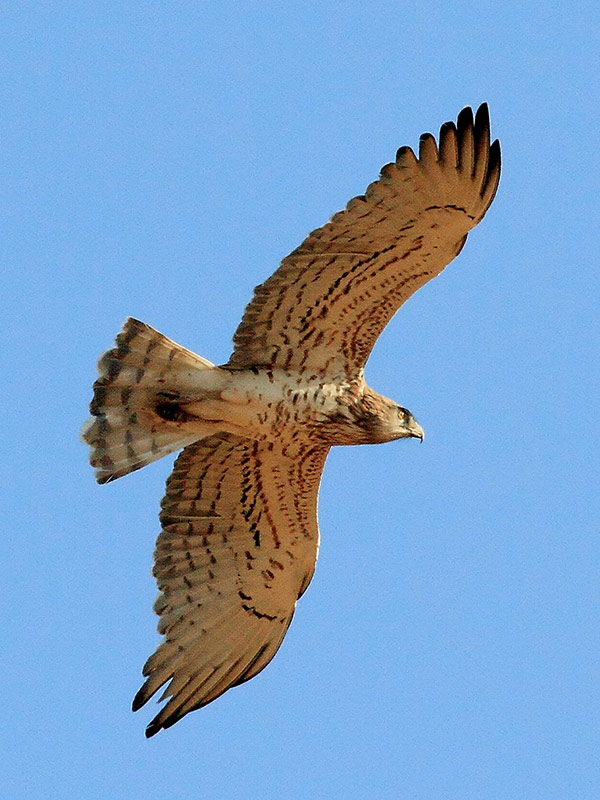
[158, 159]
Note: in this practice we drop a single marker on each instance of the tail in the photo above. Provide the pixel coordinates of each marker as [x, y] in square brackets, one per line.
[128, 427]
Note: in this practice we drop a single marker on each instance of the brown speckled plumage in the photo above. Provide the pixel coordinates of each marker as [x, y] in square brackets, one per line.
[239, 536]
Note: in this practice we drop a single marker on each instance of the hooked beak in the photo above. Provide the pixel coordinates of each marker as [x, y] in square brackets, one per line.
[415, 430]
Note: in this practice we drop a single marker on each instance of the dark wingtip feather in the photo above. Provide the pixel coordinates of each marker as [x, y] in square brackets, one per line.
[482, 129]
[492, 179]
[140, 699]
[446, 128]
[449, 144]
[495, 156]
[482, 117]
[152, 729]
[428, 147]
[405, 155]
[156, 725]
[465, 119]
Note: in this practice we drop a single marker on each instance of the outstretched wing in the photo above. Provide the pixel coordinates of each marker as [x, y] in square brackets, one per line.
[330, 299]
[238, 547]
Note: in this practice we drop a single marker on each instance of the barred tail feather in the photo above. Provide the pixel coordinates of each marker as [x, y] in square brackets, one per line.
[125, 432]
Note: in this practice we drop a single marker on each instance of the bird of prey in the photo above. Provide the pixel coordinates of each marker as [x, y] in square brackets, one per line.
[239, 535]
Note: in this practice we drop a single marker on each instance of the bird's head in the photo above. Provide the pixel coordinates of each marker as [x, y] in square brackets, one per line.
[399, 423]
[374, 419]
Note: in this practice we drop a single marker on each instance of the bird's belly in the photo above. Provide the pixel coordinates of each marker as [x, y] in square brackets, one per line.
[270, 404]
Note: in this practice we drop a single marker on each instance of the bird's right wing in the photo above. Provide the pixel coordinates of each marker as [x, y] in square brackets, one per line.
[325, 306]
[238, 547]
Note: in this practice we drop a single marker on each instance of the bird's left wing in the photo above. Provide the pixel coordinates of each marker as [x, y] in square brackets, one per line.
[330, 299]
[238, 546]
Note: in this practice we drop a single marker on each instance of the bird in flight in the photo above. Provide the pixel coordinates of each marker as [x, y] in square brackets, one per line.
[239, 538]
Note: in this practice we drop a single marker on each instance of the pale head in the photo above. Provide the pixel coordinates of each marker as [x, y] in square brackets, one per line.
[371, 419]
[394, 422]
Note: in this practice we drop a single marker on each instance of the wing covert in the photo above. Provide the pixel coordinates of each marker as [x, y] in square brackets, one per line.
[330, 298]
[238, 546]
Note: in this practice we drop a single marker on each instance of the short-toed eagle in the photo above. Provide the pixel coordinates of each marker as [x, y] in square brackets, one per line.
[239, 536]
